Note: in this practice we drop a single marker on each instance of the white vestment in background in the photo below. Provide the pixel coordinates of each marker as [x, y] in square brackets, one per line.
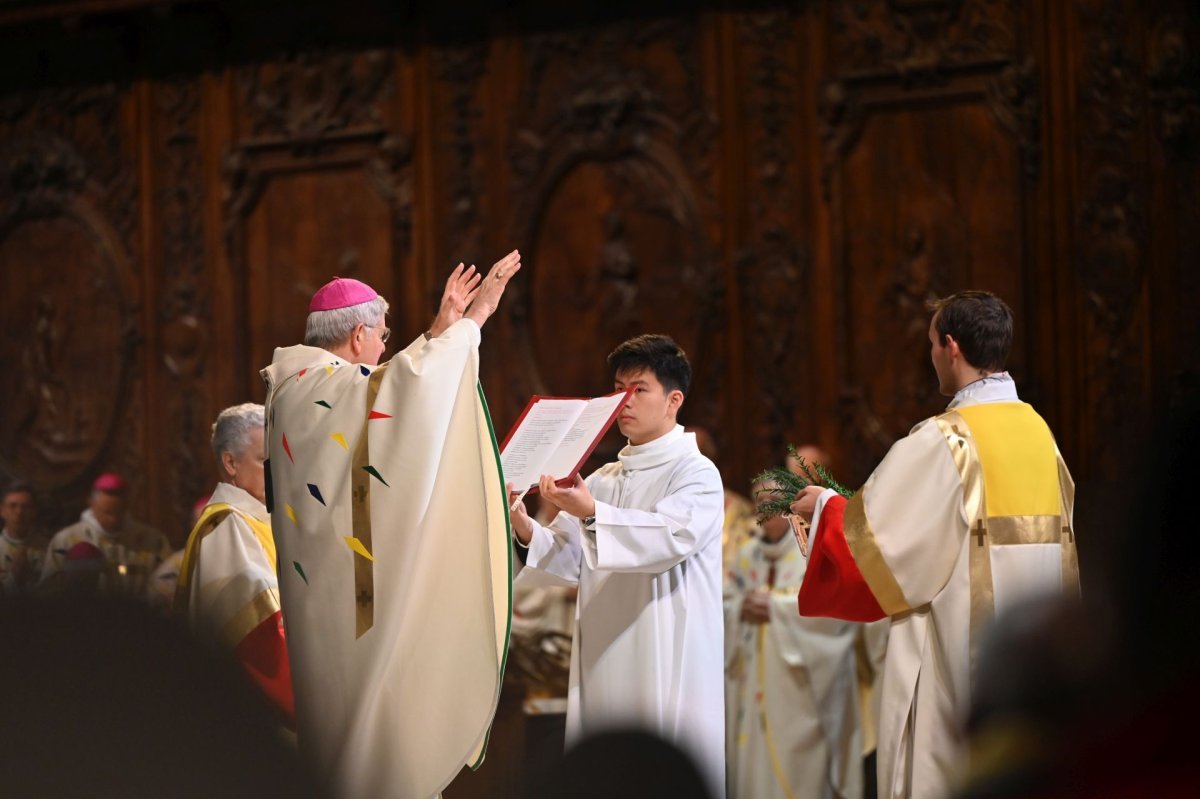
[793, 719]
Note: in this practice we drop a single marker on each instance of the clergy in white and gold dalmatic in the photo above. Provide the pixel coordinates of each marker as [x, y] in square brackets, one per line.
[641, 537]
[792, 721]
[391, 524]
[966, 516]
[227, 587]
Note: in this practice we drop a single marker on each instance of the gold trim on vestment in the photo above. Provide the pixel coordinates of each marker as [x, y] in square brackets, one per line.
[1004, 530]
[1070, 556]
[966, 458]
[255, 612]
[360, 516]
[210, 518]
[869, 559]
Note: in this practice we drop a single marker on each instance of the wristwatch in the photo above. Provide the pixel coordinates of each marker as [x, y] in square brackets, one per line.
[589, 522]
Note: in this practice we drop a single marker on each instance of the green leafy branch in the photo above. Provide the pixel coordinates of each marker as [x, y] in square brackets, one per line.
[778, 486]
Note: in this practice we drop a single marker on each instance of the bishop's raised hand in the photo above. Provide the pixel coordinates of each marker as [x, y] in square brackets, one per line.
[491, 290]
[461, 288]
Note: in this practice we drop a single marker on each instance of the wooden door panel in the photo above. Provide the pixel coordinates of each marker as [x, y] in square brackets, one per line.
[308, 227]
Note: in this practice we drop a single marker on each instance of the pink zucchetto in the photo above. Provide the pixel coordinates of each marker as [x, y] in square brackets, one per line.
[110, 482]
[341, 292]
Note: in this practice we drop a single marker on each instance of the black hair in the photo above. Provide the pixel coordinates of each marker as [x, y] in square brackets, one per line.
[17, 487]
[657, 354]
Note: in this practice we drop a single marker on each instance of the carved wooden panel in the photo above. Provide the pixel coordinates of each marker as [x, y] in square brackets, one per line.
[929, 139]
[1111, 227]
[773, 335]
[1173, 71]
[185, 374]
[611, 198]
[316, 187]
[69, 304]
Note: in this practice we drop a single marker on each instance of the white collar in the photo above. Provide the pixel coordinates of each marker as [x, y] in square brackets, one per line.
[674, 444]
[89, 519]
[997, 387]
[17, 542]
[240, 499]
[287, 361]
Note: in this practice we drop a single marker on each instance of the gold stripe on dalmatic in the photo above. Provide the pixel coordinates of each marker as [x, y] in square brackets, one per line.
[1005, 530]
[1070, 558]
[360, 516]
[966, 458]
[262, 607]
[869, 559]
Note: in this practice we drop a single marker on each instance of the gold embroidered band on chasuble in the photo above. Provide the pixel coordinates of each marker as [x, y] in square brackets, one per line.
[360, 517]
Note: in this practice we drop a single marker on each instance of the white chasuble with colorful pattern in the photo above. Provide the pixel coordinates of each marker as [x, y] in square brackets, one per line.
[391, 523]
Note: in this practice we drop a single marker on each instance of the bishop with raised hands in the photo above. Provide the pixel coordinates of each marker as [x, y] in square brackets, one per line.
[390, 519]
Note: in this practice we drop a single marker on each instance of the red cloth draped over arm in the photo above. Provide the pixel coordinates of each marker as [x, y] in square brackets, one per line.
[263, 654]
[833, 586]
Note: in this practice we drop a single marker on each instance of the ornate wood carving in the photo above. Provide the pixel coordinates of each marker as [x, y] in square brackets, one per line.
[933, 57]
[599, 124]
[1173, 72]
[307, 97]
[772, 264]
[919, 40]
[1012, 98]
[67, 221]
[1110, 231]
[184, 312]
[463, 69]
[1173, 78]
[316, 116]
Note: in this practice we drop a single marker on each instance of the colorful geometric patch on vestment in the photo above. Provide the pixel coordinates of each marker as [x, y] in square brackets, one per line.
[378, 415]
[287, 449]
[323, 404]
[300, 571]
[340, 439]
[357, 546]
[316, 492]
[365, 371]
[371, 470]
[291, 513]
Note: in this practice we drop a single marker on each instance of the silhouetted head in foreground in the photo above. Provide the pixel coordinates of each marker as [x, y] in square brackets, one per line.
[105, 699]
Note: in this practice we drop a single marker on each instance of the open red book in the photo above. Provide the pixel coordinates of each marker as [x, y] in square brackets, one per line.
[555, 436]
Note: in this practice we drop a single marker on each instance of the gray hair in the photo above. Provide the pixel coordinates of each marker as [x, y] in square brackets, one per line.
[327, 329]
[231, 431]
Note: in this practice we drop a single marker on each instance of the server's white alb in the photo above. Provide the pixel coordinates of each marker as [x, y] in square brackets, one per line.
[648, 647]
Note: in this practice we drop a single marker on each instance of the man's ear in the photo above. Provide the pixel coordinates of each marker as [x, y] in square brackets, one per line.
[675, 400]
[228, 463]
[952, 346]
[356, 337]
